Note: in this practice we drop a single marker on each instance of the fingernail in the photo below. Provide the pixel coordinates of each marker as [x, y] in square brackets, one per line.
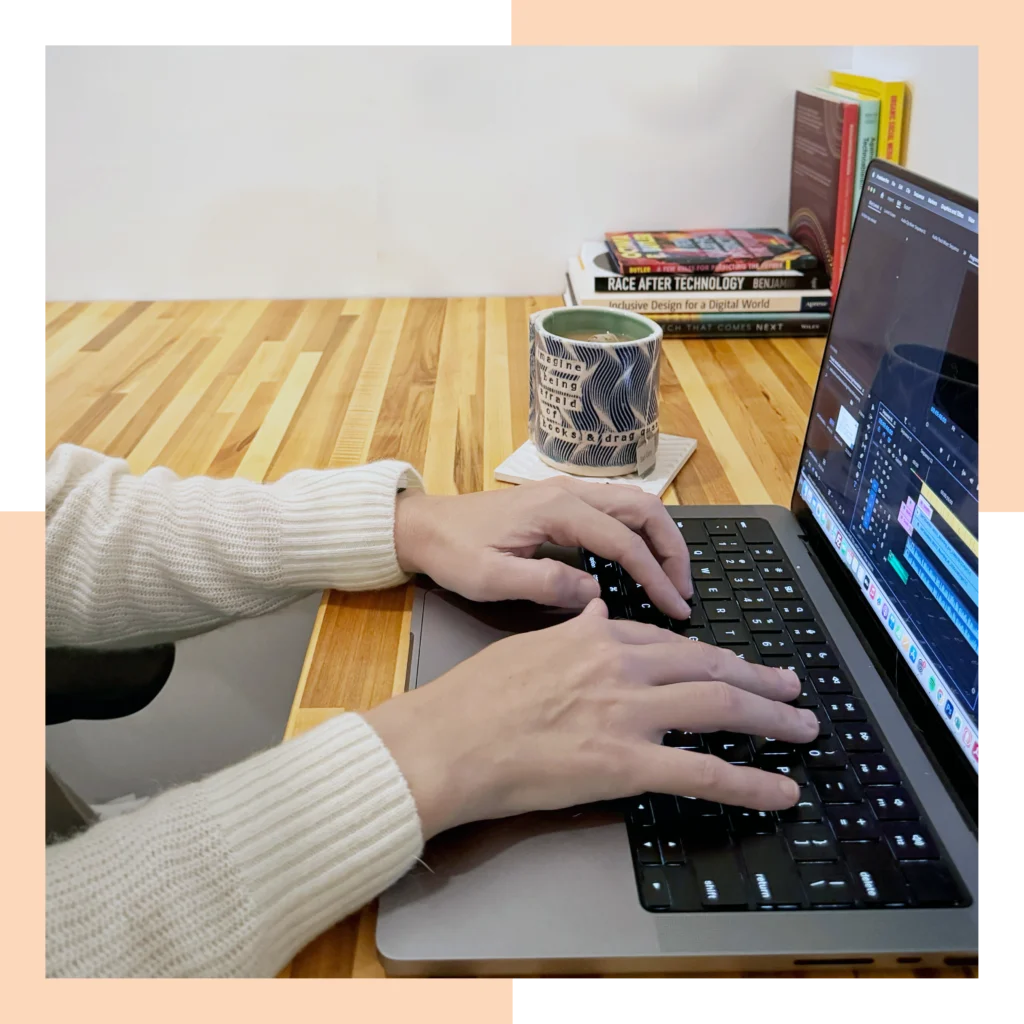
[810, 719]
[587, 589]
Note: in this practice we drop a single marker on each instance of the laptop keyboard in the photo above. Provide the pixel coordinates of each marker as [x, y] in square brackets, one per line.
[857, 838]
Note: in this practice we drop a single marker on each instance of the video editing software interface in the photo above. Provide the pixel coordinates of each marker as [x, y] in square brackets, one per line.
[890, 471]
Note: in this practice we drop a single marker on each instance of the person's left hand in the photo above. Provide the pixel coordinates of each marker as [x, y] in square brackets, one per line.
[482, 545]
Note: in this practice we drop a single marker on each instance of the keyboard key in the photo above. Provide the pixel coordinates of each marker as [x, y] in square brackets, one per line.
[730, 746]
[682, 887]
[807, 698]
[811, 633]
[774, 644]
[718, 879]
[771, 875]
[830, 682]
[736, 563]
[855, 823]
[754, 599]
[728, 544]
[638, 811]
[794, 611]
[745, 822]
[810, 841]
[783, 591]
[844, 709]
[807, 809]
[692, 807]
[763, 622]
[703, 553]
[930, 883]
[909, 841]
[747, 652]
[859, 739]
[699, 634]
[646, 612]
[824, 755]
[836, 786]
[775, 571]
[744, 581]
[655, 888]
[766, 553]
[648, 851]
[721, 611]
[693, 531]
[666, 812]
[697, 617]
[706, 571]
[816, 656]
[720, 527]
[770, 747]
[729, 633]
[877, 881]
[824, 723]
[683, 740]
[755, 531]
[713, 591]
[827, 884]
[788, 766]
[672, 851]
[875, 770]
[792, 663]
[891, 803]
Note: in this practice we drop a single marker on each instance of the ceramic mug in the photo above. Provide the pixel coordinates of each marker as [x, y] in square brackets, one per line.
[594, 403]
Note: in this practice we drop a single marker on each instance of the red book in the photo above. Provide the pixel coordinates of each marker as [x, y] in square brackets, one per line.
[821, 185]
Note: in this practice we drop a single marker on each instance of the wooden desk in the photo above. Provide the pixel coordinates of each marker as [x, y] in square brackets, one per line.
[256, 389]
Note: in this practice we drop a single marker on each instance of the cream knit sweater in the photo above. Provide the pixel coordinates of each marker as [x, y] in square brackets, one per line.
[231, 875]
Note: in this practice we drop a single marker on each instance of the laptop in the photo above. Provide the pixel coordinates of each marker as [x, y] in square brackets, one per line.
[867, 585]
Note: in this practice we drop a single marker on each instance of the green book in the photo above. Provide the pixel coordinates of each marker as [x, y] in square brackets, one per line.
[867, 138]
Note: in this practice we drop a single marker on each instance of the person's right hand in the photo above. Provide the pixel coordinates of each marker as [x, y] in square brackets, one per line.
[576, 713]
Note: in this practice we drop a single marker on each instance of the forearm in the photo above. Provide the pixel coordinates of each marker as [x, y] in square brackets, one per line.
[231, 876]
[143, 559]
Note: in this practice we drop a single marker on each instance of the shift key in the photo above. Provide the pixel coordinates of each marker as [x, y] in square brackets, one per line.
[772, 878]
[719, 882]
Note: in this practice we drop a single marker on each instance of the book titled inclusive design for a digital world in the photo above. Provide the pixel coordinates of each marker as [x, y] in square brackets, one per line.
[707, 250]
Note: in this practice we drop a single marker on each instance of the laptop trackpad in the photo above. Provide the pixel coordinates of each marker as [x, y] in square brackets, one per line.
[454, 629]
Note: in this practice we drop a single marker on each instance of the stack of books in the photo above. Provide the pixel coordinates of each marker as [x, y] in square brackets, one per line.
[706, 283]
[838, 130]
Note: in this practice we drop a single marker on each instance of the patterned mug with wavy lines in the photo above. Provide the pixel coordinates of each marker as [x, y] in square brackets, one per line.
[594, 404]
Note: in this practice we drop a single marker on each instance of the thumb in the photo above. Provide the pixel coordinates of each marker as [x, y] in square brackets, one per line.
[542, 580]
[596, 607]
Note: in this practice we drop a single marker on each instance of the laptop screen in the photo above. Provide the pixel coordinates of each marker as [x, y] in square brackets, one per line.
[889, 471]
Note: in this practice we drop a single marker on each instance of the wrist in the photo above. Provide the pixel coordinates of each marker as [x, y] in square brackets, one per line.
[410, 529]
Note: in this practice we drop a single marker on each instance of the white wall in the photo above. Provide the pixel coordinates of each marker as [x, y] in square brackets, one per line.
[943, 141]
[247, 172]
[418, 171]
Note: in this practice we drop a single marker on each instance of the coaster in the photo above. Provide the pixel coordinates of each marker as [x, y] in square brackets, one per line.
[524, 465]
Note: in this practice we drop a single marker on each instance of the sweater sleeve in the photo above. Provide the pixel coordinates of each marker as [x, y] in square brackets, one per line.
[132, 560]
[231, 876]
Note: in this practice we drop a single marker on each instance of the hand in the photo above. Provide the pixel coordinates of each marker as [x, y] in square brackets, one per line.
[576, 713]
[482, 545]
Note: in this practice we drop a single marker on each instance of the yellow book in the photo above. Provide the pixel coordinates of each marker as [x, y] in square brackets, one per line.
[893, 109]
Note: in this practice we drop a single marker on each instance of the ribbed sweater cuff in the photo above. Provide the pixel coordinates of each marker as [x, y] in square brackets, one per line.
[316, 828]
[338, 526]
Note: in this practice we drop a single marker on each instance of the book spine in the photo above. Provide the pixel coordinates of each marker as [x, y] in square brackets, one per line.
[802, 327]
[867, 145]
[750, 282]
[844, 200]
[714, 303]
[891, 144]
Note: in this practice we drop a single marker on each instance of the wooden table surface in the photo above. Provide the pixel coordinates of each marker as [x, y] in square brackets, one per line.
[258, 388]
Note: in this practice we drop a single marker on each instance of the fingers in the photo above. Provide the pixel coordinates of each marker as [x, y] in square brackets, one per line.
[573, 522]
[715, 706]
[684, 773]
[596, 609]
[659, 663]
[642, 511]
[542, 580]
